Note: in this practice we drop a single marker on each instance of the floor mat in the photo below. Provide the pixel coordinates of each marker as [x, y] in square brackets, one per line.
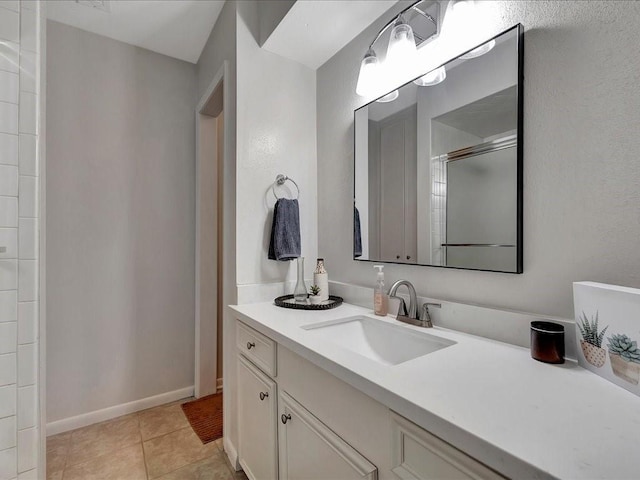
[205, 417]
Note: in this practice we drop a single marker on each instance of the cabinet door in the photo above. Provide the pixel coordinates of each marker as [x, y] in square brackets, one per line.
[309, 450]
[392, 177]
[418, 455]
[398, 187]
[257, 422]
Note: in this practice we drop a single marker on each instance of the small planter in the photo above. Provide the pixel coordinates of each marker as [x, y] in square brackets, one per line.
[315, 299]
[596, 356]
[628, 371]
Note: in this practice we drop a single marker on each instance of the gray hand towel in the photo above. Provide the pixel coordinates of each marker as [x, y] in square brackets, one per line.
[285, 231]
[357, 234]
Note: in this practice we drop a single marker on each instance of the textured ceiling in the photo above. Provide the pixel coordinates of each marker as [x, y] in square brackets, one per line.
[313, 31]
[177, 28]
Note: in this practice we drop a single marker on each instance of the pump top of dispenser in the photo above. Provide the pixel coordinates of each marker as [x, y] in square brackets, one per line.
[380, 272]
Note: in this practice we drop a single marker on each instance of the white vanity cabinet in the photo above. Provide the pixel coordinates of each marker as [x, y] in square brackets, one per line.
[278, 438]
[307, 424]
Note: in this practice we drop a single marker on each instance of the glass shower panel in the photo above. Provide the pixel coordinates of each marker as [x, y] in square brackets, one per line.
[481, 210]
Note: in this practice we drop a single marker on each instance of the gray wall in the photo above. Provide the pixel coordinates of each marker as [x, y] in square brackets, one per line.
[276, 134]
[581, 170]
[270, 14]
[120, 222]
[221, 48]
[275, 123]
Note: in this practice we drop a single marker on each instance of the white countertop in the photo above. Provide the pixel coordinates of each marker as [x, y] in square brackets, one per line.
[524, 418]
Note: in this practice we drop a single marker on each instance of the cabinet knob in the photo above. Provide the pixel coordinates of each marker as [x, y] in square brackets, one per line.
[408, 257]
[263, 395]
[397, 257]
[250, 345]
[285, 417]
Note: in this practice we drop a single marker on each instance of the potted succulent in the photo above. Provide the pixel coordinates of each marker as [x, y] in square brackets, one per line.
[625, 358]
[314, 295]
[591, 342]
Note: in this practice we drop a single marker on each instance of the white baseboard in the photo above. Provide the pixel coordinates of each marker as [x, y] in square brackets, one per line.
[71, 423]
[219, 385]
[232, 454]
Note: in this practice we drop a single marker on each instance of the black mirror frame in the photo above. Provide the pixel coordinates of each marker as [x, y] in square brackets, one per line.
[519, 149]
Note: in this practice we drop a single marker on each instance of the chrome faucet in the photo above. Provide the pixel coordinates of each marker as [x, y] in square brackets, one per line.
[411, 316]
[413, 299]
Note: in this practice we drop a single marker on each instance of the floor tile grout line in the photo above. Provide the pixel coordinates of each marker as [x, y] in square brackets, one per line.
[120, 447]
[144, 453]
[187, 465]
[183, 466]
[165, 434]
[69, 443]
[144, 460]
[154, 438]
[92, 459]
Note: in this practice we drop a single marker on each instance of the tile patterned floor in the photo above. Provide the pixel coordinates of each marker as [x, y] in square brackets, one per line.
[152, 444]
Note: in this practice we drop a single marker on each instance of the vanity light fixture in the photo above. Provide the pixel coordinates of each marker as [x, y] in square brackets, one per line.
[434, 77]
[479, 51]
[409, 29]
[465, 18]
[389, 97]
[401, 52]
[369, 71]
[462, 7]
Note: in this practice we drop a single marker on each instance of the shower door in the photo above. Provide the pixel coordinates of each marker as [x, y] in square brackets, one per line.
[480, 212]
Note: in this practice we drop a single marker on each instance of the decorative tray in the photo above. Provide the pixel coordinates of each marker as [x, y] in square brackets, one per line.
[287, 301]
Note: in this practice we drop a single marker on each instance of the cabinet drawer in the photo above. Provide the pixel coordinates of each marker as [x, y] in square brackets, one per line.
[419, 455]
[256, 347]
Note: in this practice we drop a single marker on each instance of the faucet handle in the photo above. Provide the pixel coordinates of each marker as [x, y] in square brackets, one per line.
[424, 314]
[402, 307]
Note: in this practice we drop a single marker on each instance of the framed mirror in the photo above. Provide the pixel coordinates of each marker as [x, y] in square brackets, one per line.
[438, 165]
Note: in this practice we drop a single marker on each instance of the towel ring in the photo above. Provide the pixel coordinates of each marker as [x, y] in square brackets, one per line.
[280, 179]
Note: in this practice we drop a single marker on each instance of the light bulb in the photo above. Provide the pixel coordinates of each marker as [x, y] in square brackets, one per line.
[481, 50]
[401, 53]
[463, 7]
[389, 97]
[434, 77]
[369, 73]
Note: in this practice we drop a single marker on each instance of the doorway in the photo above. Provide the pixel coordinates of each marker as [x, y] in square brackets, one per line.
[209, 240]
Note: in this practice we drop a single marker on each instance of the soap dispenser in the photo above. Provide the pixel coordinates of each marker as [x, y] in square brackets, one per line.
[380, 299]
[321, 279]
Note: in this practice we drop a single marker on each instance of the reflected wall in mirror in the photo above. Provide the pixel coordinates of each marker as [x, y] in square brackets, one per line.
[438, 168]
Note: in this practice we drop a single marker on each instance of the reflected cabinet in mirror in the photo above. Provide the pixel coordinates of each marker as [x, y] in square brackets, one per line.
[438, 167]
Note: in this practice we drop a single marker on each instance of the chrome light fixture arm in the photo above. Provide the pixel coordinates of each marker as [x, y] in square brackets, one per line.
[403, 44]
[400, 19]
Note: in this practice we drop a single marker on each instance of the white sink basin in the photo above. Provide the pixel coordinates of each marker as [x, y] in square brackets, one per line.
[383, 342]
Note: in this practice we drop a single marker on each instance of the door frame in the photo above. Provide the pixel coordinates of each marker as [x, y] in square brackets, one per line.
[220, 78]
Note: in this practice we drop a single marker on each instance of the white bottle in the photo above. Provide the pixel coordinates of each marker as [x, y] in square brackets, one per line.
[321, 279]
[380, 299]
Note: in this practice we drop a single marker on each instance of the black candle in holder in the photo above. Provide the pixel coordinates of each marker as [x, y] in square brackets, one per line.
[547, 342]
